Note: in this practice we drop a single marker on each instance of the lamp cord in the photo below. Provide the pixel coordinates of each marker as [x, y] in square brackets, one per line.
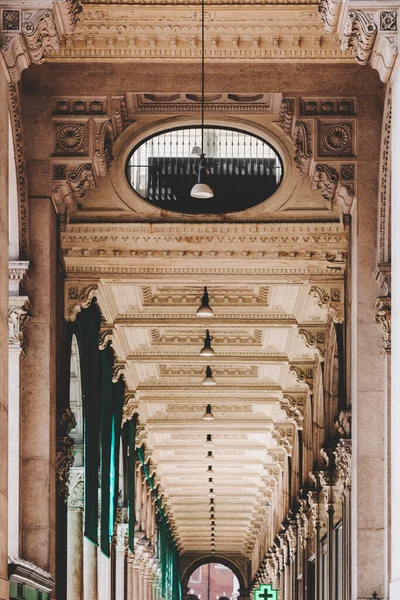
[202, 76]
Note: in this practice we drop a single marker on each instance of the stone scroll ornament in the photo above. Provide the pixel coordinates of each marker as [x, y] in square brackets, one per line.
[266, 592]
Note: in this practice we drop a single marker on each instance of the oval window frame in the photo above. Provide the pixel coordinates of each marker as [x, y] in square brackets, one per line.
[228, 127]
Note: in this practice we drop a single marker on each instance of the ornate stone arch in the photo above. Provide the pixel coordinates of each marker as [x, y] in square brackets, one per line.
[195, 563]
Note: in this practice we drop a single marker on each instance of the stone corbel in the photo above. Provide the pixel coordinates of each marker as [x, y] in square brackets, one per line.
[303, 373]
[293, 405]
[40, 35]
[292, 537]
[140, 436]
[331, 299]
[78, 297]
[314, 337]
[279, 458]
[302, 525]
[330, 12]
[103, 155]
[67, 13]
[64, 460]
[283, 434]
[105, 338]
[118, 371]
[368, 33]
[384, 317]
[302, 142]
[313, 501]
[130, 407]
[286, 115]
[325, 178]
[119, 116]
[68, 191]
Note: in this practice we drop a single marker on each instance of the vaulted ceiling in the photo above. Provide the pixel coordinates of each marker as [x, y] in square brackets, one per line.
[270, 313]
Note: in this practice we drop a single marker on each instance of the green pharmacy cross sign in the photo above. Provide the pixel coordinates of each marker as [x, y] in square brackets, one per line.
[266, 592]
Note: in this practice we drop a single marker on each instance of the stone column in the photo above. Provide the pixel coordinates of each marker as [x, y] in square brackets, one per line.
[136, 578]
[38, 389]
[3, 336]
[90, 591]
[120, 556]
[369, 565]
[313, 498]
[17, 311]
[75, 537]
[103, 576]
[395, 406]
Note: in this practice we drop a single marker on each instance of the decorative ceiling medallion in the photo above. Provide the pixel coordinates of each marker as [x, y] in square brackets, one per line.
[70, 138]
[336, 139]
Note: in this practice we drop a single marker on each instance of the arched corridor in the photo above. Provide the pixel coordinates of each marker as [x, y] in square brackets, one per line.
[196, 397]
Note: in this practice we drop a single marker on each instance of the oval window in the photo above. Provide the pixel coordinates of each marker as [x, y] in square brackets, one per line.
[243, 170]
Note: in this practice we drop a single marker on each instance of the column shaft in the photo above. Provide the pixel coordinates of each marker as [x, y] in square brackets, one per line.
[3, 336]
[75, 554]
[89, 570]
[13, 452]
[38, 388]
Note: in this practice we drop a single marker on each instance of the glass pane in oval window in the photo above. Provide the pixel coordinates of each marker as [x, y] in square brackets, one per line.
[243, 170]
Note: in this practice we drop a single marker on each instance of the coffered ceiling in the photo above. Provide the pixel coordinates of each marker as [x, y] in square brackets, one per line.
[268, 329]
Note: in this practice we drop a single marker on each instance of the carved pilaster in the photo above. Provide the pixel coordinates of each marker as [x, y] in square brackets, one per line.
[384, 317]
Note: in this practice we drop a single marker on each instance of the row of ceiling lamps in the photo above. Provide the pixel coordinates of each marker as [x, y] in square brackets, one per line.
[205, 311]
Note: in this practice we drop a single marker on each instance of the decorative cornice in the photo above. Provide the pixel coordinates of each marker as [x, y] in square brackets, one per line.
[28, 573]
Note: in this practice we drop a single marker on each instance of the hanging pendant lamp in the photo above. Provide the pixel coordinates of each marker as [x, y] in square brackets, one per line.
[209, 469]
[208, 379]
[208, 416]
[201, 189]
[206, 349]
[205, 309]
[209, 443]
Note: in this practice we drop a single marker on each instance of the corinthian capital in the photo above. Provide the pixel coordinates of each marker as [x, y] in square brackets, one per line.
[18, 307]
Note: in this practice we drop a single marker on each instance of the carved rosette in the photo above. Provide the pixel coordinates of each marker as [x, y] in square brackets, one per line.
[384, 317]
